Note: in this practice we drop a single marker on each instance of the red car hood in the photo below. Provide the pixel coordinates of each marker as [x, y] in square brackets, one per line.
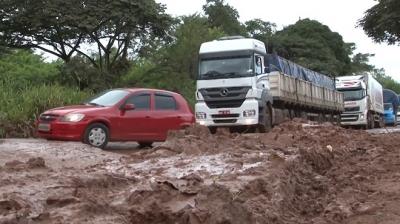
[73, 109]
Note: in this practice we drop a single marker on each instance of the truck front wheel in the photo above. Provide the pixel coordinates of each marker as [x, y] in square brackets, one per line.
[265, 119]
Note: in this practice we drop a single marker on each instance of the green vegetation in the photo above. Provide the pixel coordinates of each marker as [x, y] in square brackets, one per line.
[134, 43]
[382, 22]
[20, 108]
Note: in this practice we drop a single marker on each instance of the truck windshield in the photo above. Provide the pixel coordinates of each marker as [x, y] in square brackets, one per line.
[227, 67]
[351, 95]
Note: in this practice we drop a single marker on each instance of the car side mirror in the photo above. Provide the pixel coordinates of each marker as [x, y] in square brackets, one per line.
[128, 106]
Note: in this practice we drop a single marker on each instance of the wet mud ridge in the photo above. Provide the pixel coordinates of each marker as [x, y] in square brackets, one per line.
[297, 173]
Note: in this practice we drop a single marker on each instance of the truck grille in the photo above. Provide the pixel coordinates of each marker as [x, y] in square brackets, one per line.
[226, 121]
[225, 115]
[226, 97]
[352, 109]
[349, 117]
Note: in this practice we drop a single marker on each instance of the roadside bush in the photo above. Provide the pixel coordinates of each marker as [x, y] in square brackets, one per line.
[20, 107]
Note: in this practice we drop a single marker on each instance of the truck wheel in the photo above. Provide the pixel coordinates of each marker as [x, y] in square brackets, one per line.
[266, 119]
[370, 121]
[96, 135]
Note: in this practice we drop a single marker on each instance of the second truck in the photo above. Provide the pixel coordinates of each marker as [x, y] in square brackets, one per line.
[242, 87]
[363, 100]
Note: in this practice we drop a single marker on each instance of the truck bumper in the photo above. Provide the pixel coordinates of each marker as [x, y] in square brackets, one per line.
[228, 117]
[353, 119]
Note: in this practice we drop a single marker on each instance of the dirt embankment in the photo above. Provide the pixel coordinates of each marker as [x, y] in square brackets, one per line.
[297, 173]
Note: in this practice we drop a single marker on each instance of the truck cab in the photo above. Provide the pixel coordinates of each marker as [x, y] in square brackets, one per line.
[232, 84]
[363, 102]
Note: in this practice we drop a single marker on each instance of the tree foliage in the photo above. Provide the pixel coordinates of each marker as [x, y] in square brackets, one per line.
[174, 66]
[382, 22]
[102, 31]
[386, 81]
[315, 46]
[222, 15]
[22, 68]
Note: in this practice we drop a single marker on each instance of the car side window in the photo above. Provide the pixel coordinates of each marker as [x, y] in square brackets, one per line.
[141, 102]
[165, 102]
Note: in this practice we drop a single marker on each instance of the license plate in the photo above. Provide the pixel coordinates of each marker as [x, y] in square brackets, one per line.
[44, 127]
[224, 112]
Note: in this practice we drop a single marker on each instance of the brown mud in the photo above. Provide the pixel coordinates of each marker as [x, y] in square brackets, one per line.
[297, 173]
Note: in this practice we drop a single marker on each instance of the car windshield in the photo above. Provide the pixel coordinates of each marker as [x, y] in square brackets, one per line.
[226, 67]
[351, 95]
[108, 98]
[388, 106]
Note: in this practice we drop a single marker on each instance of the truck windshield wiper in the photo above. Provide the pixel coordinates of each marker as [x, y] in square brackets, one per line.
[211, 74]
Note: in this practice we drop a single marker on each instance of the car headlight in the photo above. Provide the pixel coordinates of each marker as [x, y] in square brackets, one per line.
[72, 117]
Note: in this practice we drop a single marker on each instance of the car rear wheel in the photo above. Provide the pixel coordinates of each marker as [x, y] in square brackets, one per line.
[145, 144]
[97, 135]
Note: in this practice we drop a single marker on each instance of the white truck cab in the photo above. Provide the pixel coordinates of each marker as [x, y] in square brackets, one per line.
[363, 100]
[232, 85]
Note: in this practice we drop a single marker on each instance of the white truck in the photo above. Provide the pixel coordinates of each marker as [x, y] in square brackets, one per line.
[240, 86]
[363, 101]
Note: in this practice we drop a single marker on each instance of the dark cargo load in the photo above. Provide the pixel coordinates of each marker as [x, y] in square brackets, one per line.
[275, 63]
[391, 97]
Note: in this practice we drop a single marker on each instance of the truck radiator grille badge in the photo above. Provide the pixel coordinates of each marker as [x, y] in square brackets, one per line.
[224, 92]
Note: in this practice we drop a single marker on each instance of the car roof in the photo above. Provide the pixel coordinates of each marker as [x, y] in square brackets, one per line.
[134, 90]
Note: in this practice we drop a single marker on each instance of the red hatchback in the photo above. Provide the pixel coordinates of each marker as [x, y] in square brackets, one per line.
[142, 115]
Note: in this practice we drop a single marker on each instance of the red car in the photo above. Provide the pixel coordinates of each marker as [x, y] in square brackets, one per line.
[142, 115]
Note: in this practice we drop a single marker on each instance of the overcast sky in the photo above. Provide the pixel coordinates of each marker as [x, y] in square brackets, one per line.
[340, 15]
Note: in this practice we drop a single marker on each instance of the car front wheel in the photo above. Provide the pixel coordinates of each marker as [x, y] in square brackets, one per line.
[97, 135]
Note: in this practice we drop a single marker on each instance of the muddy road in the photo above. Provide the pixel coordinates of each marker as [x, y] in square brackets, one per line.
[297, 173]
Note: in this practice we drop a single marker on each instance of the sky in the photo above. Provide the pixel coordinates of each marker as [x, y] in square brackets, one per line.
[340, 15]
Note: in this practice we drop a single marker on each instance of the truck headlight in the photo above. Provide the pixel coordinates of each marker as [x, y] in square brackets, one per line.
[72, 117]
[249, 113]
[201, 115]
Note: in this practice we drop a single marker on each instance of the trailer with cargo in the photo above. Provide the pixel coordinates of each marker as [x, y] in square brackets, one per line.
[241, 86]
[363, 100]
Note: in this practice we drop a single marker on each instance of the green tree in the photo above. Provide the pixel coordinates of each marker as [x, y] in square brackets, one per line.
[360, 63]
[22, 68]
[174, 66]
[382, 22]
[386, 81]
[259, 29]
[315, 46]
[222, 15]
[110, 30]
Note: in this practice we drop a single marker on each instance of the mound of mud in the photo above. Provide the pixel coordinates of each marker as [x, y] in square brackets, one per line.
[299, 172]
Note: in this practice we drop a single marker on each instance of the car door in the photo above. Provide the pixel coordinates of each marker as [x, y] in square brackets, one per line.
[166, 114]
[134, 123]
